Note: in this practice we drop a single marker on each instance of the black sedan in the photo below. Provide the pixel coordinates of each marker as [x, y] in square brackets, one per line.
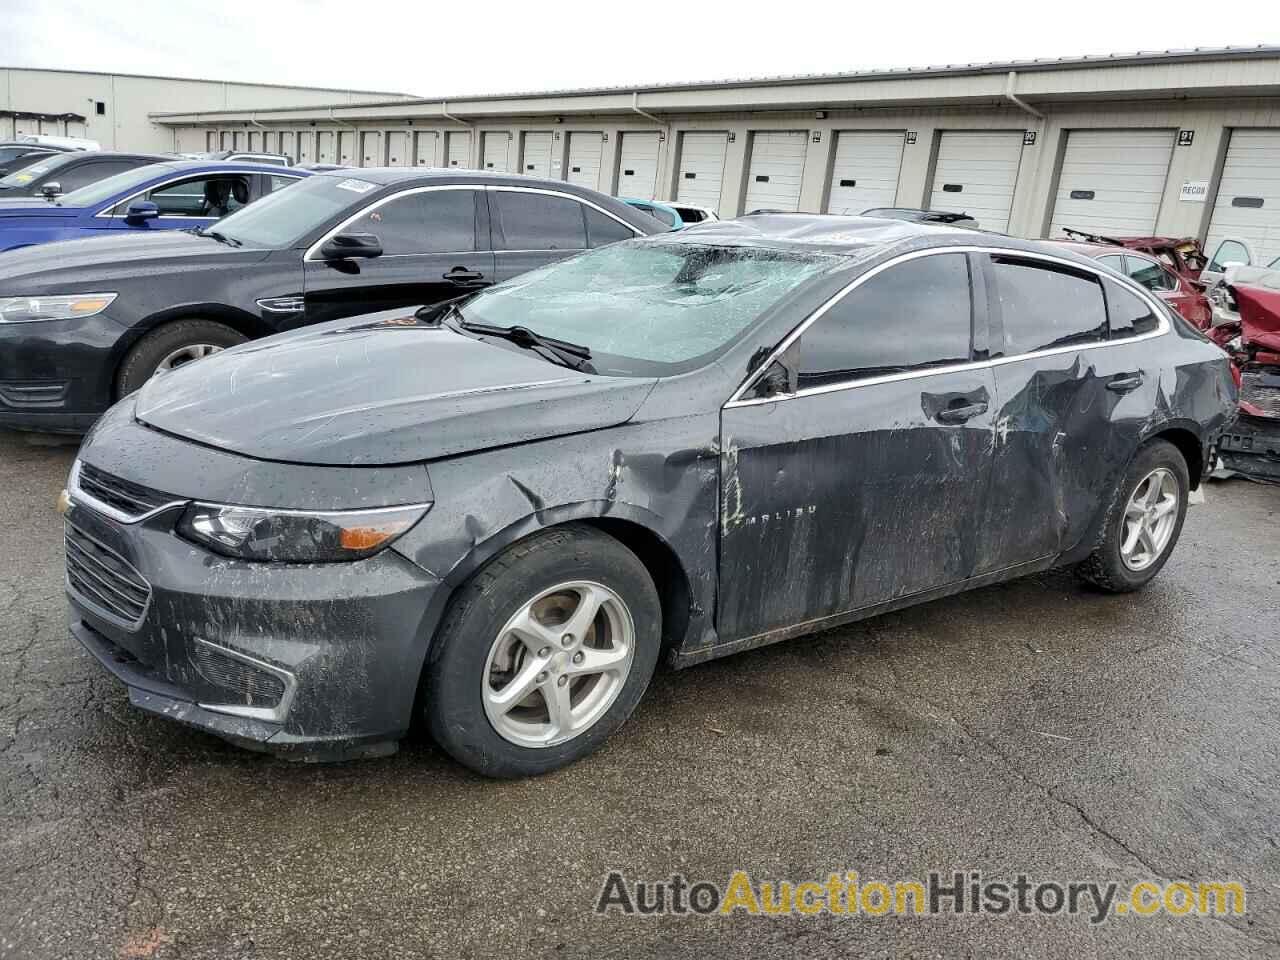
[503, 511]
[83, 323]
[62, 173]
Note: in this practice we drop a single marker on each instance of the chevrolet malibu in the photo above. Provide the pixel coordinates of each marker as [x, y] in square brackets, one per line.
[496, 515]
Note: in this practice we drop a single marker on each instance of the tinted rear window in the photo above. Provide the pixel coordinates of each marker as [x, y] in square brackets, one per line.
[1131, 316]
[537, 221]
[1043, 307]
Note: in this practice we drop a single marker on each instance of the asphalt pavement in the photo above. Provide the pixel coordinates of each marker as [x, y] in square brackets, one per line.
[1038, 728]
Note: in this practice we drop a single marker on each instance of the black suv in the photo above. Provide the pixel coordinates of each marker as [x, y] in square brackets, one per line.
[54, 174]
[85, 322]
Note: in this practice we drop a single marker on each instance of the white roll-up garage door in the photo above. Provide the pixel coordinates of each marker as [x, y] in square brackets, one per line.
[584, 159]
[326, 150]
[776, 170]
[865, 171]
[638, 166]
[1247, 207]
[459, 147]
[306, 146]
[701, 174]
[289, 144]
[537, 154]
[370, 148]
[1112, 182]
[398, 149]
[497, 151]
[975, 174]
[424, 148]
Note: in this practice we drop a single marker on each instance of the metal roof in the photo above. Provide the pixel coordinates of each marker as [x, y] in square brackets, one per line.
[1136, 58]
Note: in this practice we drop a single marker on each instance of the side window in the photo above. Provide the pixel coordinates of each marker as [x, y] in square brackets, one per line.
[1131, 316]
[1150, 274]
[279, 183]
[1229, 251]
[434, 221]
[201, 197]
[87, 173]
[603, 230]
[536, 221]
[912, 316]
[1043, 307]
[1115, 262]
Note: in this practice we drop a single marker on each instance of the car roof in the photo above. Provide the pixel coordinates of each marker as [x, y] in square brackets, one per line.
[395, 175]
[214, 166]
[1095, 250]
[850, 236]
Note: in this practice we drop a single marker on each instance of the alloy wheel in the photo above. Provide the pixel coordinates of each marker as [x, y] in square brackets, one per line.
[186, 354]
[559, 664]
[1149, 519]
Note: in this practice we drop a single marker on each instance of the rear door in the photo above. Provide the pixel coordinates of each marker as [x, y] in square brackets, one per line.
[434, 242]
[532, 228]
[1061, 390]
[863, 480]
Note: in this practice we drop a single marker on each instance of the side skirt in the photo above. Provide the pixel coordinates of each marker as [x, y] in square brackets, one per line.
[687, 658]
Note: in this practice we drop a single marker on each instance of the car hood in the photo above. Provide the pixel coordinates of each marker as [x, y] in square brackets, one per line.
[384, 390]
[100, 257]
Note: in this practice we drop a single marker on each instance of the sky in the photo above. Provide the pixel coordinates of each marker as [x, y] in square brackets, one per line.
[495, 46]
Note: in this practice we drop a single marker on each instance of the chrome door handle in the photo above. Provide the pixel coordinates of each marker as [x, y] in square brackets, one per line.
[961, 414]
[1125, 384]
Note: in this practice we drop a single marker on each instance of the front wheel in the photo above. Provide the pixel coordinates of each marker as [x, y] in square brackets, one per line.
[543, 654]
[1143, 522]
[172, 345]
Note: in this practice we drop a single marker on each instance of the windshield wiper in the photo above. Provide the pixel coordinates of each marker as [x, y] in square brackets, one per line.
[220, 237]
[572, 355]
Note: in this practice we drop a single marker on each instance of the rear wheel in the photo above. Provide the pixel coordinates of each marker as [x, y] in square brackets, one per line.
[173, 345]
[543, 654]
[1144, 520]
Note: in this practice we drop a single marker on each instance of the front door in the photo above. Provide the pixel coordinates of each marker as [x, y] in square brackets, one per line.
[859, 477]
[432, 250]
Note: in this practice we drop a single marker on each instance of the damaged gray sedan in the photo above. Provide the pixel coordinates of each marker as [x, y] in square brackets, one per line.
[495, 516]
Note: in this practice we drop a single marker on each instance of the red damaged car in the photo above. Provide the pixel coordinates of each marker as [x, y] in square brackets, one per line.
[1183, 255]
[1252, 445]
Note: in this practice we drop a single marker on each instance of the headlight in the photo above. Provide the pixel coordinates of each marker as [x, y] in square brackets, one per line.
[296, 536]
[31, 309]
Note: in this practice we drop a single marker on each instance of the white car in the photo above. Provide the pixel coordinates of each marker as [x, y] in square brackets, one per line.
[691, 214]
[67, 143]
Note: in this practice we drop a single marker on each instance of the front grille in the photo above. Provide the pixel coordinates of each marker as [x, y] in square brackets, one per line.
[246, 684]
[129, 498]
[1260, 386]
[104, 580]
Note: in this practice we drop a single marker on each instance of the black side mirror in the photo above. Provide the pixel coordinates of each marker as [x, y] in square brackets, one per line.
[51, 190]
[351, 246]
[140, 211]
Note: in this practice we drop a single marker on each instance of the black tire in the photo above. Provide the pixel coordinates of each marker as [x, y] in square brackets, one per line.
[144, 357]
[1105, 568]
[455, 672]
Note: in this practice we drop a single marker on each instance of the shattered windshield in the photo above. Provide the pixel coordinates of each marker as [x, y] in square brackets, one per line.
[649, 309]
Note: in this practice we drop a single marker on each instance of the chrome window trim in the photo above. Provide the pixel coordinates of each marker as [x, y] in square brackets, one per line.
[1158, 307]
[309, 257]
[105, 214]
[274, 714]
[77, 495]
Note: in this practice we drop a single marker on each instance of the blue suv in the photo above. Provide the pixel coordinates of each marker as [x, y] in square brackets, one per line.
[160, 196]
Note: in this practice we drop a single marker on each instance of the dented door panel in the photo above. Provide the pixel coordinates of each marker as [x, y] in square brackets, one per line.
[840, 500]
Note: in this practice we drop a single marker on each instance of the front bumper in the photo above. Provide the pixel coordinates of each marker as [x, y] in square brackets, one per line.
[318, 661]
[57, 375]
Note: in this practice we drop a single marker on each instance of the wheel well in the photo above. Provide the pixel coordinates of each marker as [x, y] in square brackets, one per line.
[1188, 445]
[664, 567]
[239, 321]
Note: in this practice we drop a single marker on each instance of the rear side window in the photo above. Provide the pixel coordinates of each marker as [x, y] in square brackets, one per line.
[1042, 307]
[602, 229]
[912, 316]
[1150, 274]
[1131, 316]
[537, 221]
[87, 173]
[433, 221]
